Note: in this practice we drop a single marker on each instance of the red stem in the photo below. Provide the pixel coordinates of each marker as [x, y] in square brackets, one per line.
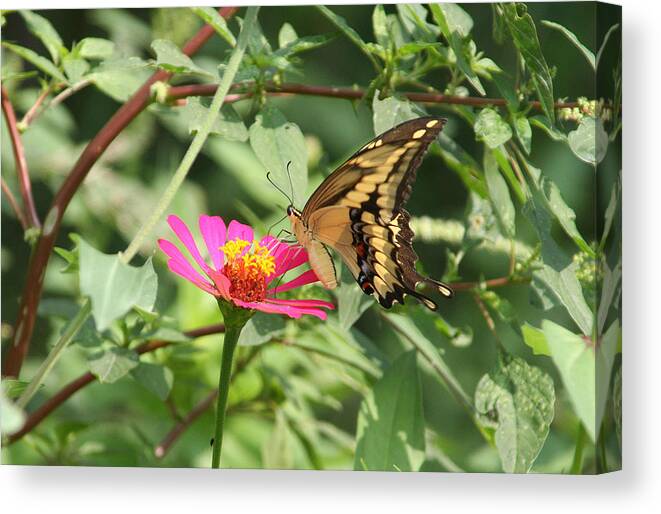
[354, 94]
[34, 282]
[14, 204]
[67, 391]
[21, 163]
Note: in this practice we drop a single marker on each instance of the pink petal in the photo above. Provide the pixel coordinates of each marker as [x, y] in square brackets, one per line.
[292, 312]
[222, 283]
[213, 231]
[184, 234]
[307, 277]
[185, 270]
[301, 303]
[171, 250]
[238, 230]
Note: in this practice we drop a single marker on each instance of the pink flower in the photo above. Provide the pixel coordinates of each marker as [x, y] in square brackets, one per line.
[242, 269]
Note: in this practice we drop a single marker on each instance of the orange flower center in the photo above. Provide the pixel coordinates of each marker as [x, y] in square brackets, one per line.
[247, 271]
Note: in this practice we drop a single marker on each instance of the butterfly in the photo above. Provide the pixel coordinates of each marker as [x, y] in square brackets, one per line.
[358, 211]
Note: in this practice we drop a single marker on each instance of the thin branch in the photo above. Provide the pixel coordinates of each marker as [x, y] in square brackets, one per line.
[21, 163]
[33, 111]
[346, 93]
[489, 284]
[76, 385]
[171, 437]
[488, 319]
[14, 205]
[17, 351]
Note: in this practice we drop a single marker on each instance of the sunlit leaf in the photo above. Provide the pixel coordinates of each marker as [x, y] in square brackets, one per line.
[228, 123]
[589, 141]
[114, 287]
[454, 26]
[170, 58]
[516, 400]
[212, 17]
[39, 62]
[44, 30]
[276, 142]
[491, 128]
[95, 48]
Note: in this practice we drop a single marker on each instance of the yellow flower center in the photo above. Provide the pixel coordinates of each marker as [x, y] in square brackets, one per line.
[248, 272]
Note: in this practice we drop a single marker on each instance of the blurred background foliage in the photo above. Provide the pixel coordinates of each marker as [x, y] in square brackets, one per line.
[296, 401]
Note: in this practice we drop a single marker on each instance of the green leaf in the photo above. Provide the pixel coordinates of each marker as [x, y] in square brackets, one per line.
[170, 58]
[278, 451]
[155, 378]
[353, 36]
[589, 141]
[391, 427]
[413, 18]
[500, 195]
[39, 62]
[453, 25]
[491, 128]
[605, 357]
[351, 301]
[228, 124]
[589, 56]
[120, 78]
[584, 372]
[419, 328]
[523, 132]
[609, 214]
[557, 277]
[516, 400]
[286, 35]
[380, 26]
[456, 18]
[564, 214]
[542, 122]
[617, 405]
[114, 287]
[13, 388]
[95, 48]
[535, 339]
[603, 43]
[112, 364]
[276, 142]
[392, 111]
[303, 44]
[260, 329]
[522, 29]
[212, 17]
[75, 68]
[43, 29]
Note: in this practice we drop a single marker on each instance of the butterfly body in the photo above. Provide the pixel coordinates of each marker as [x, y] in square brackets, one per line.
[358, 211]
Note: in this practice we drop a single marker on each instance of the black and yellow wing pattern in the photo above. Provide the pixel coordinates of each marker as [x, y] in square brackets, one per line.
[358, 211]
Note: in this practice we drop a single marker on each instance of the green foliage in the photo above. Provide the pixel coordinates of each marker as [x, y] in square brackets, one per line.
[516, 401]
[114, 287]
[391, 430]
[502, 208]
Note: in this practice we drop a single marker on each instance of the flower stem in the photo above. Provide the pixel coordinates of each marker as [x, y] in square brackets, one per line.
[235, 319]
[71, 330]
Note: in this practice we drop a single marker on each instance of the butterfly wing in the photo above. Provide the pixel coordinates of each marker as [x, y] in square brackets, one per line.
[358, 211]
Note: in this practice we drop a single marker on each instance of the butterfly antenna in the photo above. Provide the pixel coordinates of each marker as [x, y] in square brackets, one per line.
[274, 224]
[268, 177]
[291, 184]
